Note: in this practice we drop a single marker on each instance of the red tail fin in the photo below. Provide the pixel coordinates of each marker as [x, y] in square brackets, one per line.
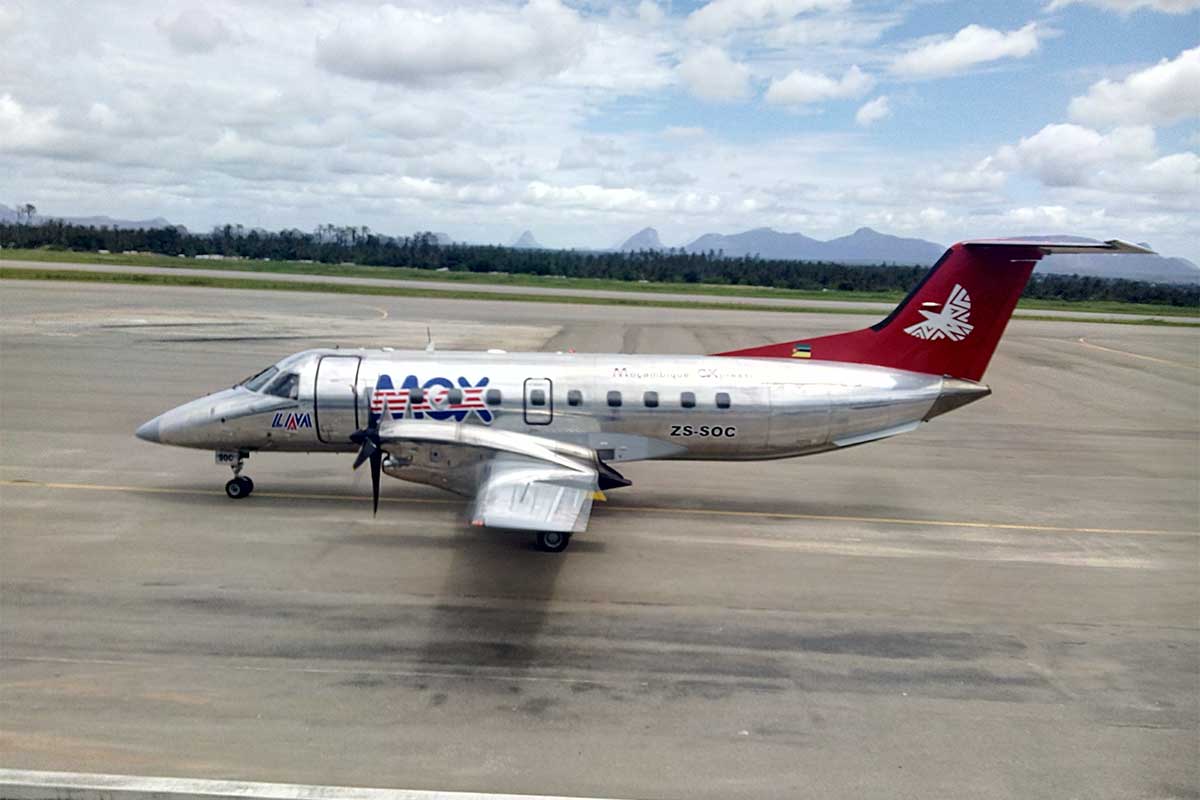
[951, 322]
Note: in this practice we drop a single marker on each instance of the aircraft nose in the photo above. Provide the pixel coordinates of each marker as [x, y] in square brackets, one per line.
[149, 431]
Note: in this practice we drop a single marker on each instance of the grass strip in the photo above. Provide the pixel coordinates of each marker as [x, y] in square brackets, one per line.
[401, 274]
[200, 281]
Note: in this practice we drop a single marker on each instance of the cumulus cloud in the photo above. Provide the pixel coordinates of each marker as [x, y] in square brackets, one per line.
[710, 74]
[1129, 6]
[720, 17]
[1163, 94]
[415, 47]
[969, 47]
[27, 130]
[800, 87]
[1124, 160]
[194, 31]
[873, 110]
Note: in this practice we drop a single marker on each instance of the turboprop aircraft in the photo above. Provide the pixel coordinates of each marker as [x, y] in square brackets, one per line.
[532, 438]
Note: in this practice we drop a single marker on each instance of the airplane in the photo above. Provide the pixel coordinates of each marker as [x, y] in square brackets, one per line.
[531, 438]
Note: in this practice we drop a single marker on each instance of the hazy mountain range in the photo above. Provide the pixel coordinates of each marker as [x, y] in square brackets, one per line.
[864, 246]
[10, 215]
[867, 246]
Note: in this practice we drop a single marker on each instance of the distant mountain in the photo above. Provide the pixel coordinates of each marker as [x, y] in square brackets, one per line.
[645, 239]
[526, 242]
[1157, 269]
[10, 215]
[862, 246]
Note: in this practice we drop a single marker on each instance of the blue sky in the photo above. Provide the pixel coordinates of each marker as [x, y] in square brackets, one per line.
[586, 121]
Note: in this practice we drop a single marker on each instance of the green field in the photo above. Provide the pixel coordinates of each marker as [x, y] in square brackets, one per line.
[402, 274]
[400, 290]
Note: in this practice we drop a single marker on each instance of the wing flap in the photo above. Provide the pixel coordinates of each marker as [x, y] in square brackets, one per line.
[526, 494]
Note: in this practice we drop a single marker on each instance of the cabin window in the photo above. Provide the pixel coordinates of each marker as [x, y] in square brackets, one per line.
[492, 397]
[454, 396]
[614, 399]
[416, 395]
[650, 399]
[537, 397]
[285, 386]
[687, 399]
[574, 398]
[722, 400]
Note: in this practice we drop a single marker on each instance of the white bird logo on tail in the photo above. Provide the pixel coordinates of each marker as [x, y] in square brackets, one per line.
[949, 323]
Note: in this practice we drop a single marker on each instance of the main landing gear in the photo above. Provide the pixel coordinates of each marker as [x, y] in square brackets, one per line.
[553, 541]
[240, 485]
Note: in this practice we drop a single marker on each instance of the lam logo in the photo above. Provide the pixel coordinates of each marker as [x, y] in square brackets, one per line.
[291, 422]
[952, 322]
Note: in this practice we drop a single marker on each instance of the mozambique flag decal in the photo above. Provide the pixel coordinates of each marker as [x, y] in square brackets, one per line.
[801, 350]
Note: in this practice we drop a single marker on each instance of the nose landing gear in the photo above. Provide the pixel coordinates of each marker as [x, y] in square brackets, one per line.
[239, 485]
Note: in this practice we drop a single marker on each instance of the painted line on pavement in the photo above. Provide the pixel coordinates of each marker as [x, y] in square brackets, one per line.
[634, 509]
[30, 785]
[1083, 341]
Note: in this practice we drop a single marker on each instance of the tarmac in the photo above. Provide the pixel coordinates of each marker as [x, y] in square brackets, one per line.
[1005, 603]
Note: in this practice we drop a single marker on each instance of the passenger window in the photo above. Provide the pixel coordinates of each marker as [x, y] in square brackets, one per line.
[537, 397]
[416, 395]
[285, 386]
[650, 399]
[454, 397]
[492, 397]
[614, 399]
[722, 400]
[574, 397]
[687, 399]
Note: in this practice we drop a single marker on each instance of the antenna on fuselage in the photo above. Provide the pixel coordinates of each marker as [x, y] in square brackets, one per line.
[428, 340]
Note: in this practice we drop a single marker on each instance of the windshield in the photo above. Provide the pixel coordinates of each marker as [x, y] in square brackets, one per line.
[258, 381]
[285, 386]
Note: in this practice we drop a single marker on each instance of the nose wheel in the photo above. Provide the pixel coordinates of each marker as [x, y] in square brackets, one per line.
[240, 485]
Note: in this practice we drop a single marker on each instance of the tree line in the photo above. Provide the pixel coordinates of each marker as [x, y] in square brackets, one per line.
[332, 244]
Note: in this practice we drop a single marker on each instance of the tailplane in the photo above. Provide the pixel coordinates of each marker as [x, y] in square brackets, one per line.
[951, 322]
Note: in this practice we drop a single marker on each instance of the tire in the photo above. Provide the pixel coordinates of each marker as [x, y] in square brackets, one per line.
[553, 541]
[249, 484]
[237, 488]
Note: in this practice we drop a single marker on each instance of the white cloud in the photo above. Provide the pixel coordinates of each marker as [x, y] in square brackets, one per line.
[11, 15]
[1125, 160]
[720, 17]
[24, 129]
[415, 47]
[710, 74]
[873, 110]
[1129, 6]
[800, 87]
[1160, 95]
[974, 44]
[194, 30]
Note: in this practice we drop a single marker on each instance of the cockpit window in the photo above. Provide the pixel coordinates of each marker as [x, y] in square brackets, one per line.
[285, 386]
[260, 380]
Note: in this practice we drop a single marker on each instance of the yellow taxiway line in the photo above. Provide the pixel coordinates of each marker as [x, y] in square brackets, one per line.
[631, 509]
[1083, 341]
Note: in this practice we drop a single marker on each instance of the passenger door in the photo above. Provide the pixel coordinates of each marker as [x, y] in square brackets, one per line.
[334, 398]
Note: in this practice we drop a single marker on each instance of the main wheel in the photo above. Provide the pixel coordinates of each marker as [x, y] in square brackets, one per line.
[237, 488]
[553, 541]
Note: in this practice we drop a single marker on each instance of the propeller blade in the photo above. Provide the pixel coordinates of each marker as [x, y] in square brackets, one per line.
[376, 464]
[368, 450]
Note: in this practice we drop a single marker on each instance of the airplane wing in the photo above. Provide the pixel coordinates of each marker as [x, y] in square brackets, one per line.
[517, 480]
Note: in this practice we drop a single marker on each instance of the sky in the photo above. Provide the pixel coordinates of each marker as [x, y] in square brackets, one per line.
[585, 121]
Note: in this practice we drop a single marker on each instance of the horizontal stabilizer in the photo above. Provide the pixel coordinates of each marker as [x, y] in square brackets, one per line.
[1048, 247]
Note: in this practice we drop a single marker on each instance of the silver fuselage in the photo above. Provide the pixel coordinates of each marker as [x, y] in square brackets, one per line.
[775, 408]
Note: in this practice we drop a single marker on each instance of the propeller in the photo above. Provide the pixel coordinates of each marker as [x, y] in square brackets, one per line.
[370, 448]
